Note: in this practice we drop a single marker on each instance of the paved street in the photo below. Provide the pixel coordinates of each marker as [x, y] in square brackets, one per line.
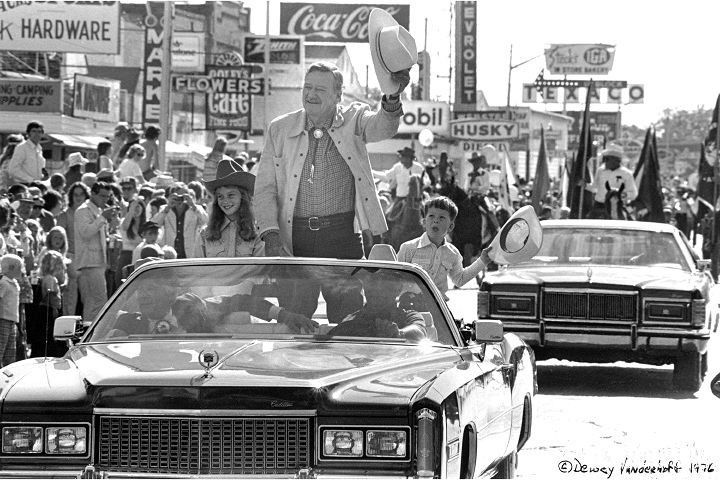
[616, 416]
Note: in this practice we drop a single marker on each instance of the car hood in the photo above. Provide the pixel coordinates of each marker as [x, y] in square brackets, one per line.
[632, 277]
[254, 374]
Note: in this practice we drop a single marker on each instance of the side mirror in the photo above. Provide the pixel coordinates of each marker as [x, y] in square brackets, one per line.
[488, 331]
[703, 264]
[715, 385]
[66, 326]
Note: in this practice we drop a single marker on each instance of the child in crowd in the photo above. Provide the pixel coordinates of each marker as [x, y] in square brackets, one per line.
[169, 252]
[130, 229]
[56, 240]
[40, 329]
[150, 233]
[12, 268]
[434, 253]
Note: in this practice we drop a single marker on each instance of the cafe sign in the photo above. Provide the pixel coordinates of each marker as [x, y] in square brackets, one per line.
[334, 22]
[580, 59]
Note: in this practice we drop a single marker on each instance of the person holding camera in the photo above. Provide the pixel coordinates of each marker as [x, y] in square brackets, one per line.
[92, 220]
[180, 220]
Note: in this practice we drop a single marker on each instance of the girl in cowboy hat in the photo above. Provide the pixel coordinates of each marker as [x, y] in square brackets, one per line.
[230, 231]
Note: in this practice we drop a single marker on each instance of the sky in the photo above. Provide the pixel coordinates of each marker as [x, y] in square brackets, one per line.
[672, 48]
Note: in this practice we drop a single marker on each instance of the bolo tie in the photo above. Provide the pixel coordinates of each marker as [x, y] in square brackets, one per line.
[318, 134]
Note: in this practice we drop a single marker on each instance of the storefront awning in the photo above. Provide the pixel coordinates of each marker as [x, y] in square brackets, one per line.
[89, 142]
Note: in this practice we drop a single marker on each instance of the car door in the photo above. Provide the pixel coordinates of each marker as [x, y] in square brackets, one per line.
[490, 399]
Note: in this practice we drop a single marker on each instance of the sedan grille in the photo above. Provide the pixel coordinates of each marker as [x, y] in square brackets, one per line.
[240, 446]
[579, 305]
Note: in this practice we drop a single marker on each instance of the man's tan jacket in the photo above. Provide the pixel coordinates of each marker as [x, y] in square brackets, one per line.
[281, 164]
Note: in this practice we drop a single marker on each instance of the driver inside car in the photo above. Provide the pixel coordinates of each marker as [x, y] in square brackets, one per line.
[380, 315]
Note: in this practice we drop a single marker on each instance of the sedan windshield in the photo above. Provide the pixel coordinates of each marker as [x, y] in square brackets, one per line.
[602, 246]
[324, 302]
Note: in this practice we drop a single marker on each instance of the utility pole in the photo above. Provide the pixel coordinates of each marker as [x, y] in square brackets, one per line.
[512, 67]
[165, 85]
[266, 68]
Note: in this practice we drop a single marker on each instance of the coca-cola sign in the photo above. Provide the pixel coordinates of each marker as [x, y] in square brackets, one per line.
[330, 22]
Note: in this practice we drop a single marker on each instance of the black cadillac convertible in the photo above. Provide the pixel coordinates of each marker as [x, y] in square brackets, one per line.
[274, 367]
[604, 291]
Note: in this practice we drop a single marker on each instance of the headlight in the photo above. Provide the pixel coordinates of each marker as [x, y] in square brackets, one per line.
[386, 443]
[512, 305]
[66, 440]
[22, 440]
[343, 443]
[665, 312]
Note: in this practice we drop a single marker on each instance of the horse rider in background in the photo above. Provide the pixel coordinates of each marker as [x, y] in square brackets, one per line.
[611, 174]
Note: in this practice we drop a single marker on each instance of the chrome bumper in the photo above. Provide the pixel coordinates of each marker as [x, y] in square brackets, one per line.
[632, 337]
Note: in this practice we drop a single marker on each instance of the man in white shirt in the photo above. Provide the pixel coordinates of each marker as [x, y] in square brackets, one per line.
[27, 163]
[613, 174]
[399, 175]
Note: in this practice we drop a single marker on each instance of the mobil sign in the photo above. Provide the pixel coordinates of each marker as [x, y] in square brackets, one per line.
[484, 130]
[435, 116]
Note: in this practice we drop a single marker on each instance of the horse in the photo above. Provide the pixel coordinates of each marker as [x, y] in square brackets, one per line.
[404, 216]
[475, 224]
[614, 205]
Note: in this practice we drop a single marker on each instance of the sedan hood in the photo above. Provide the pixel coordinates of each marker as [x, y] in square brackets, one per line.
[254, 374]
[631, 277]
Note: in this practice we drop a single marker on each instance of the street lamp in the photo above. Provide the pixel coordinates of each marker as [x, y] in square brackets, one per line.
[511, 67]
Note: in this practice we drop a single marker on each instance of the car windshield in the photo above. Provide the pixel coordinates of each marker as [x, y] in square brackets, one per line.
[272, 301]
[602, 246]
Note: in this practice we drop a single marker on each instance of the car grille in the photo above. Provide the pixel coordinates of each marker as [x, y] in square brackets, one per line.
[584, 305]
[242, 446]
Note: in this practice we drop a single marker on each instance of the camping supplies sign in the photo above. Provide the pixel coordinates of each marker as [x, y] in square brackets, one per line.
[30, 96]
[79, 27]
[230, 111]
[330, 22]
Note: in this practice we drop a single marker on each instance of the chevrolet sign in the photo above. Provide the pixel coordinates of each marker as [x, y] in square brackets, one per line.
[483, 130]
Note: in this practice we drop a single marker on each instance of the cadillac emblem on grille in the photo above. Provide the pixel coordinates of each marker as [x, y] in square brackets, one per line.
[280, 404]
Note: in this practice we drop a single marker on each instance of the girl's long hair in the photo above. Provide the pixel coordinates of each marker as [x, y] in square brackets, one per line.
[143, 218]
[71, 190]
[244, 218]
[58, 230]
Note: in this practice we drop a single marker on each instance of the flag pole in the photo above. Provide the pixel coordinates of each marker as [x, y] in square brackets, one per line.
[716, 171]
[586, 147]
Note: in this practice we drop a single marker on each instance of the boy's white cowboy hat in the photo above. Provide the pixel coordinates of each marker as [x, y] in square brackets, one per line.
[392, 48]
[519, 239]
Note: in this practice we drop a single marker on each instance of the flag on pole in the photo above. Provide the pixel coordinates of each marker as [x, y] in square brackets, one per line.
[711, 141]
[580, 200]
[506, 179]
[647, 178]
[541, 184]
[705, 185]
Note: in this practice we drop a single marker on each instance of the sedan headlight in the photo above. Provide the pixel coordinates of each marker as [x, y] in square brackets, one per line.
[66, 440]
[513, 305]
[354, 442]
[54, 440]
[22, 440]
[386, 443]
[663, 312]
[343, 443]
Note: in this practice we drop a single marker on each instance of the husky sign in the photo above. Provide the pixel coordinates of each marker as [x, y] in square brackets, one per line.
[483, 130]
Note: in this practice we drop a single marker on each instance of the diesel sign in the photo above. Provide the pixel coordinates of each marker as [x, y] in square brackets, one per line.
[431, 115]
